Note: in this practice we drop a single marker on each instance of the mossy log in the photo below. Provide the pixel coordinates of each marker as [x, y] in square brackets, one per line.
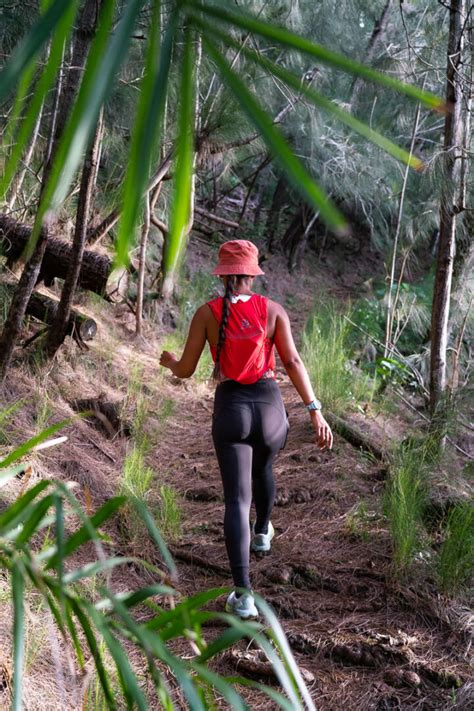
[96, 273]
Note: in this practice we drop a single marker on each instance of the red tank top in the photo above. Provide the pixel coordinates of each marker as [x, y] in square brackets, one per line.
[247, 353]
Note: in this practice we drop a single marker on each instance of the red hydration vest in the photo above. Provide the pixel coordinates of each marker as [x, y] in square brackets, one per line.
[246, 353]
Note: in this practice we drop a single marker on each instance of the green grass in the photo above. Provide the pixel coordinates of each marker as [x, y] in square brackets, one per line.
[140, 481]
[169, 514]
[137, 476]
[405, 499]
[358, 522]
[455, 564]
[338, 384]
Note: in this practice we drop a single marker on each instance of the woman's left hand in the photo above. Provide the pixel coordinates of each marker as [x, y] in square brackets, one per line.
[167, 360]
[322, 430]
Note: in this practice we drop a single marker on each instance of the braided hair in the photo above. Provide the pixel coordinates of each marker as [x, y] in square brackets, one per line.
[231, 284]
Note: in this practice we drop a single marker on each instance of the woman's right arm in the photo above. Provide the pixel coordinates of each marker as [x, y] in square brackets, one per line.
[294, 366]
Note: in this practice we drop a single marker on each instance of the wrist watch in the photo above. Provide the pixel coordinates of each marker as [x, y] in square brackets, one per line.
[313, 405]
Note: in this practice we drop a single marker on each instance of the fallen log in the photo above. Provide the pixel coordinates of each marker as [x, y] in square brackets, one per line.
[80, 327]
[355, 437]
[104, 416]
[96, 273]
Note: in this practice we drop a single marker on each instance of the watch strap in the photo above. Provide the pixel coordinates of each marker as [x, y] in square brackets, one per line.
[313, 405]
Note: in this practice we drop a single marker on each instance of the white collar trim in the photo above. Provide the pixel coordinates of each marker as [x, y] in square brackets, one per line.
[240, 297]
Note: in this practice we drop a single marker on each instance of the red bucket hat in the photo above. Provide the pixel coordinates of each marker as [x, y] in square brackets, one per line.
[238, 256]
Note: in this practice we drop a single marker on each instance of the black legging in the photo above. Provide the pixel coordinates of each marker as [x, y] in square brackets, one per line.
[249, 427]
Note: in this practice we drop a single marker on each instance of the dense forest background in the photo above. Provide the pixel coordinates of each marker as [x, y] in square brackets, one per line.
[337, 136]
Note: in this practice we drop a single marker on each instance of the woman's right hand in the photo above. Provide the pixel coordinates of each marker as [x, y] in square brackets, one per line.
[167, 359]
[322, 430]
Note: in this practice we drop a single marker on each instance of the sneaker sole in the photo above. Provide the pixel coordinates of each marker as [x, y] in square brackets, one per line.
[256, 549]
[230, 610]
[261, 549]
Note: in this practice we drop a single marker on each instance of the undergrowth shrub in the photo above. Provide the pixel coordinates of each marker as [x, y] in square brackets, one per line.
[412, 316]
[326, 354]
[455, 563]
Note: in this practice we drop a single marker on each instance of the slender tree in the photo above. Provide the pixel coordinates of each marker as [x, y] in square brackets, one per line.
[82, 39]
[59, 327]
[449, 200]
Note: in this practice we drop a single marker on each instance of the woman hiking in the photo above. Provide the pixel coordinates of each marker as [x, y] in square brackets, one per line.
[250, 424]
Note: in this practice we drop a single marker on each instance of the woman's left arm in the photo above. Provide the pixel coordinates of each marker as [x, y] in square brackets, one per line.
[195, 342]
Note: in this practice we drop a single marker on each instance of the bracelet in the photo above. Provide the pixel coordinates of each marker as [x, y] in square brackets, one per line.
[313, 405]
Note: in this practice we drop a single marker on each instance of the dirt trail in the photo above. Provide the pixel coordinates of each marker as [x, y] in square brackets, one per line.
[365, 640]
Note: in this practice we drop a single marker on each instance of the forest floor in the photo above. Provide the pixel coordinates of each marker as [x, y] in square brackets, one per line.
[365, 639]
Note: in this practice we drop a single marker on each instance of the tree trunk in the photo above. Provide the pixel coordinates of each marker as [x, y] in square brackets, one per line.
[58, 330]
[141, 267]
[392, 304]
[19, 302]
[17, 183]
[84, 33]
[274, 213]
[375, 38]
[450, 196]
[96, 269]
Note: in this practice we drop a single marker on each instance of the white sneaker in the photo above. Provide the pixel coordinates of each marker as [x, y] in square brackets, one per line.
[262, 542]
[243, 606]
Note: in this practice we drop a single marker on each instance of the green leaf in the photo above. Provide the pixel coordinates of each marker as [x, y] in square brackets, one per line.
[322, 102]
[27, 48]
[104, 60]
[290, 164]
[287, 680]
[224, 641]
[152, 645]
[131, 599]
[146, 130]
[181, 206]
[67, 610]
[95, 651]
[128, 680]
[88, 531]
[16, 510]
[94, 568]
[288, 39]
[155, 534]
[281, 701]
[29, 444]
[233, 699]
[18, 635]
[59, 535]
[38, 513]
[185, 607]
[280, 638]
[39, 94]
